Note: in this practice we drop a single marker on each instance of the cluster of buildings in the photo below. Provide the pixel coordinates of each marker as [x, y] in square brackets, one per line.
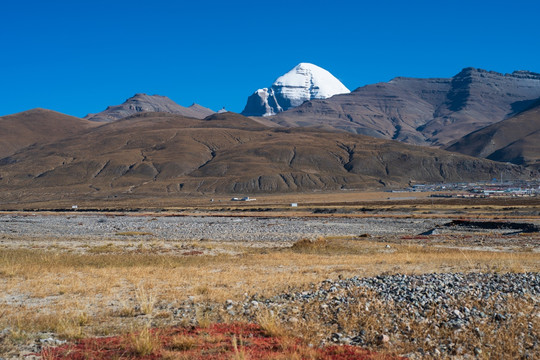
[515, 188]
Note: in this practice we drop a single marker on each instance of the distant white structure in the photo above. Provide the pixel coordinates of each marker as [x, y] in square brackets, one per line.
[247, 198]
[294, 204]
[74, 207]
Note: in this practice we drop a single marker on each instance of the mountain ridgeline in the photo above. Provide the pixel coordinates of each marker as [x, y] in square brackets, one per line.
[140, 103]
[156, 154]
[150, 147]
[37, 126]
[515, 140]
[435, 112]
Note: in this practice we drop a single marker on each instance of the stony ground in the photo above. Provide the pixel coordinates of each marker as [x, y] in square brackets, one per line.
[436, 315]
[207, 227]
[447, 303]
[78, 230]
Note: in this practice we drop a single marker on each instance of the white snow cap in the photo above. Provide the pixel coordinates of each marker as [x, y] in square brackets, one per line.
[307, 81]
[304, 82]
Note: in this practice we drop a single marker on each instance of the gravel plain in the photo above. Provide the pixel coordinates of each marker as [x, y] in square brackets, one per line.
[207, 227]
[79, 231]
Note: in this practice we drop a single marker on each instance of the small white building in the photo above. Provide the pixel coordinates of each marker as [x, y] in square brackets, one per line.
[246, 198]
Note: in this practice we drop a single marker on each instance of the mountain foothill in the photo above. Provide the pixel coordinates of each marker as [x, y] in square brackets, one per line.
[471, 127]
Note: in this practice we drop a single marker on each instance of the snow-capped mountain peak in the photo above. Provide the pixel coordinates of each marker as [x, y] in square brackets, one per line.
[307, 81]
[303, 82]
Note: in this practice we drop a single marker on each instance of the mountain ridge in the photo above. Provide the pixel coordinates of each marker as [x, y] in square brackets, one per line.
[141, 102]
[432, 111]
[37, 126]
[152, 155]
[516, 139]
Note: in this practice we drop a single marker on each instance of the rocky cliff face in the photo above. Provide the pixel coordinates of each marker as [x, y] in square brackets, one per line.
[263, 102]
[434, 111]
[148, 103]
[304, 82]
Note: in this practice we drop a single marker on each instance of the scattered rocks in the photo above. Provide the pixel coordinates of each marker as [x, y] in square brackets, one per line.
[205, 227]
[50, 341]
[443, 302]
[383, 339]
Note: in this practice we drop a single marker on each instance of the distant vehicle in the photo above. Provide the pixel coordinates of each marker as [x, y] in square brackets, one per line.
[247, 198]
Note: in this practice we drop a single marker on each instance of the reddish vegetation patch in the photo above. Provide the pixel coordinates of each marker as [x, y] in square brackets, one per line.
[193, 252]
[216, 342]
[415, 237]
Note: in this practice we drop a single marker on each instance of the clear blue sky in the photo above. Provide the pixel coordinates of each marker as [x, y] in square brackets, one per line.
[78, 57]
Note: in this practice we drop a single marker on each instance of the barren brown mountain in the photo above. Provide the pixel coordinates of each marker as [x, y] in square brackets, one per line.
[37, 126]
[158, 155]
[140, 103]
[434, 111]
[515, 140]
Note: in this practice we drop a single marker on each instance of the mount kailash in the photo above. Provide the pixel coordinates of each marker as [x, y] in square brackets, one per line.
[304, 82]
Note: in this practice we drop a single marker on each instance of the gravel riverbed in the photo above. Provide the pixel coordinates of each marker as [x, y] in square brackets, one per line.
[207, 227]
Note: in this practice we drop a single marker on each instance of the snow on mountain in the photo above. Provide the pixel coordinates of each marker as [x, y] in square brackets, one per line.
[307, 81]
[304, 82]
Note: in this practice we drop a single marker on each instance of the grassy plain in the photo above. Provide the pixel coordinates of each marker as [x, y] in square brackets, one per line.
[113, 289]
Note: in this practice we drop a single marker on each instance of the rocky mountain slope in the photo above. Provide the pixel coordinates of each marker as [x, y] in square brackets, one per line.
[422, 111]
[515, 140]
[154, 155]
[37, 126]
[148, 103]
[304, 82]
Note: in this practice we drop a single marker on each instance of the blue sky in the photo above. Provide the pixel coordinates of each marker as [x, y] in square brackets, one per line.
[78, 57]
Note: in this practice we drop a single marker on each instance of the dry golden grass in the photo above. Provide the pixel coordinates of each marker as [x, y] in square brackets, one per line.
[143, 342]
[182, 343]
[271, 324]
[101, 292]
[124, 310]
[420, 205]
[239, 353]
[133, 233]
[220, 201]
[146, 300]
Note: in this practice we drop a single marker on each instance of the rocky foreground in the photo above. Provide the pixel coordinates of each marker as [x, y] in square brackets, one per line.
[445, 315]
[475, 295]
